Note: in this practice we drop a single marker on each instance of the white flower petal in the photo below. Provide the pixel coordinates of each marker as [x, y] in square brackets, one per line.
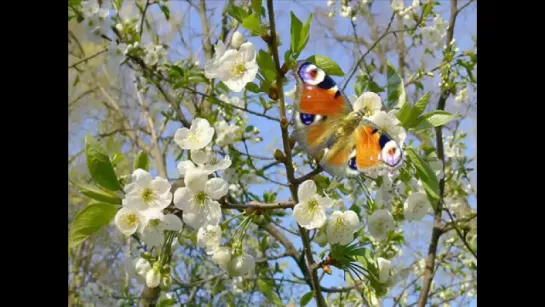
[141, 177]
[241, 265]
[196, 180]
[209, 237]
[172, 222]
[142, 267]
[416, 206]
[248, 52]
[222, 257]
[199, 156]
[225, 163]
[183, 198]
[306, 190]
[185, 167]
[195, 219]
[160, 185]
[325, 202]
[216, 188]
[180, 137]
[213, 210]
[352, 218]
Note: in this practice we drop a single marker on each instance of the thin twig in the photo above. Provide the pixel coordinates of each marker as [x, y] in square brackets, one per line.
[88, 58]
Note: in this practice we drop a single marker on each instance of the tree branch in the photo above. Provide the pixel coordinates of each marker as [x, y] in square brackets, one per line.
[436, 232]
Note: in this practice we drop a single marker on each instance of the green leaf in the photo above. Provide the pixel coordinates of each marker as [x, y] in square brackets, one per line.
[268, 292]
[237, 12]
[296, 31]
[256, 6]
[250, 128]
[326, 64]
[252, 23]
[166, 11]
[434, 119]
[305, 299]
[266, 64]
[404, 115]
[299, 34]
[420, 106]
[99, 194]
[395, 88]
[141, 161]
[99, 165]
[89, 221]
[425, 174]
[252, 87]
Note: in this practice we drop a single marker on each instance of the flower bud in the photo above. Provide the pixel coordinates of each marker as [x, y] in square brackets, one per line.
[237, 40]
[153, 278]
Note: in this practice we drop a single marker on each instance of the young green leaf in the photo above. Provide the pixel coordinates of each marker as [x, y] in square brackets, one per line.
[305, 299]
[256, 6]
[266, 65]
[99, 165]
[395, 88]
[89, 221]
[434, 119]
[326, 64]
[166, 11]
[404, 115]
[296, 32]
[99, 194]
[425, 174]
[420, 106]
[141, 161]
[252, 23]
[252, 87]
[237, 12]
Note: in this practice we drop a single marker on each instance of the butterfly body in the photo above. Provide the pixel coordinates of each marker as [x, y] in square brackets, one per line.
[325, 121]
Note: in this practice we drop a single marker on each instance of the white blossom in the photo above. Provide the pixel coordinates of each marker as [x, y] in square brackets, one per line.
[198, 136]
[397, 5]
[144, 192]
[211, 66]
[241, 264]
[310, 211]
[157, 223]
[416, 206]
[227, 133]
[340, 227]
[128, 220]
[209, 237]
[461, 96]
[380, 223]
[198, 199]
[222, 257]
[155, 55]
[346, 11]
[235, 68]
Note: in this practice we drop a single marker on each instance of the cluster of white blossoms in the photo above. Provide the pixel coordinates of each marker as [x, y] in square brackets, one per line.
[461, 96]
[146, 199]
[234, 67]
[399, 7]
[155, 55]
[96, 18]
[198, 199]
[310, 213]
[436, 33]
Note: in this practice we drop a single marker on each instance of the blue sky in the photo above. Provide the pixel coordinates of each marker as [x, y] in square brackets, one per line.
[465, 29]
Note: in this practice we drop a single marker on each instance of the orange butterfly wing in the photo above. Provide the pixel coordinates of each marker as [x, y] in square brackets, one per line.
[316, 100]
[368, 151]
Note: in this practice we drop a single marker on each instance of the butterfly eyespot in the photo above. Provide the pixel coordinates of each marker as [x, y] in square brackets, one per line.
[352, 163]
